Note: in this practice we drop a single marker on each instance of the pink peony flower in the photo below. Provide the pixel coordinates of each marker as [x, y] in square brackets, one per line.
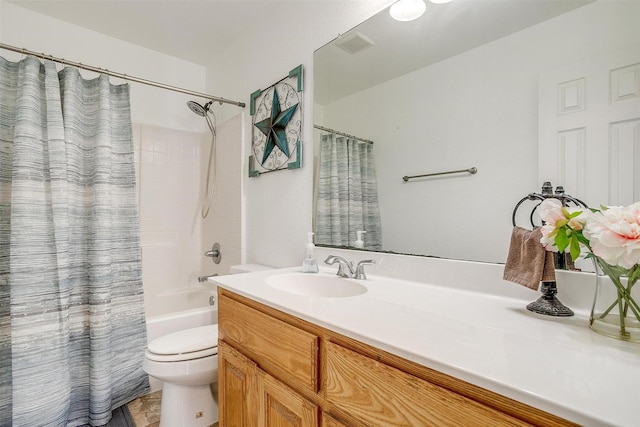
[614, 235]
[577, 223]
[562, 226]
[550, 211]
[548, 238]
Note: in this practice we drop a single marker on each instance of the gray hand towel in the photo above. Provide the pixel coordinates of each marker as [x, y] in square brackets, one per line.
[528, 263]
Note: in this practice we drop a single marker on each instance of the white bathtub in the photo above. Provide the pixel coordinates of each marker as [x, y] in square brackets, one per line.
[190, 308]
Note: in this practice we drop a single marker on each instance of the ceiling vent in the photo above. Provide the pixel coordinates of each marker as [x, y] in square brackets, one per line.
[354, 42]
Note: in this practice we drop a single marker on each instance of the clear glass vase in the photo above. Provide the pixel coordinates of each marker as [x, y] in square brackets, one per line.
[615, 312]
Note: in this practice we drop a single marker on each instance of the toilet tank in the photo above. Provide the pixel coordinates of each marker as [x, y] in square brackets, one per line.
[247, 268]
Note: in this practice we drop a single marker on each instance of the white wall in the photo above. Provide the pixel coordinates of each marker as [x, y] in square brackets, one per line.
[477, 109]
[169, 141]
[39, 33]
[278, 205]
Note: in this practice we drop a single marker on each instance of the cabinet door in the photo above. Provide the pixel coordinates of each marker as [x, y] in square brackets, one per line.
[236, 388]
[280, 406]
[329, 421]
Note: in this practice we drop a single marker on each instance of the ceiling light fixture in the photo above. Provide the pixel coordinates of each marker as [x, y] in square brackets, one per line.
[407, 10]
[440, 1]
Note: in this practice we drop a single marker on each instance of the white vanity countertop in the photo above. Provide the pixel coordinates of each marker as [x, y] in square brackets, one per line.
[556, 364]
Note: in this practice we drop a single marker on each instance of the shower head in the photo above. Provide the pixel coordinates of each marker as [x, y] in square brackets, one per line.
[199, 109]
[202, 112]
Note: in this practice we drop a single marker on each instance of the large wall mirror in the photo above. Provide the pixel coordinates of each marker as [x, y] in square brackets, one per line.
[472, 84]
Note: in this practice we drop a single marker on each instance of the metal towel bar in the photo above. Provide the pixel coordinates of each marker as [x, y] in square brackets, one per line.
[470, 170]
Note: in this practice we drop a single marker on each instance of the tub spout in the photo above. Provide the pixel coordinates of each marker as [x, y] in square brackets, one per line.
[203, 279]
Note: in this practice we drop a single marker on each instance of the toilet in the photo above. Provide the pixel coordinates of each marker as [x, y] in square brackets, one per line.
[187, 364]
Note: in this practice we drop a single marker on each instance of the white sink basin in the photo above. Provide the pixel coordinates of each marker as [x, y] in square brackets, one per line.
[316, 285]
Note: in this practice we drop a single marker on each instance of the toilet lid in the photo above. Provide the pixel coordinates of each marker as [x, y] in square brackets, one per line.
[190, 343]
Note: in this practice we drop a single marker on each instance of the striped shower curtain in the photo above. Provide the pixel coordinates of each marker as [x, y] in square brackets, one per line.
[72, 328]
[347, 194]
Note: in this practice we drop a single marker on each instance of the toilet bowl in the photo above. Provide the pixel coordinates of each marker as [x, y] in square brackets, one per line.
[187, 363]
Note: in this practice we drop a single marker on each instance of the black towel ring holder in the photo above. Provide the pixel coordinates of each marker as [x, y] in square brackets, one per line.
[548, 304]
[547, 193]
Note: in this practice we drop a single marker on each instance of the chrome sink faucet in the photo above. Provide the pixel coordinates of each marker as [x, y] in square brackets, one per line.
[345, 268]
[343, 265]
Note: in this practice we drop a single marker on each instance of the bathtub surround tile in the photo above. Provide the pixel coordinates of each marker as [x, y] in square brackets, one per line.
[171, 234]
[172, 166]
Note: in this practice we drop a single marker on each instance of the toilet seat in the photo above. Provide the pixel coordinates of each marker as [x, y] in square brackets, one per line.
[184, 345]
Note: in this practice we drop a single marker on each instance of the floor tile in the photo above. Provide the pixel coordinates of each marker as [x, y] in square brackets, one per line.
[145, 410]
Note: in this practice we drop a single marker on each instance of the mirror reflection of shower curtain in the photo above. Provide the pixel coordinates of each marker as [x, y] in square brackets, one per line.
[347, 194]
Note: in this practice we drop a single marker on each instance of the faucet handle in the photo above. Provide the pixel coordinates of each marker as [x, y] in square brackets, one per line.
[360, 275]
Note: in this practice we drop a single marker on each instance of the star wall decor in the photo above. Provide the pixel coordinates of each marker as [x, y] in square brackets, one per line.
[274, 127]
[277, 126]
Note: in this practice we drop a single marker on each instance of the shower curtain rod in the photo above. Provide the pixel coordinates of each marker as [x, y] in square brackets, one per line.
[120, 75]
[368, 141]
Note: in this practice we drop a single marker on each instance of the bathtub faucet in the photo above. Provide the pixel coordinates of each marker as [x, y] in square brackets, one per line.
[203, 279]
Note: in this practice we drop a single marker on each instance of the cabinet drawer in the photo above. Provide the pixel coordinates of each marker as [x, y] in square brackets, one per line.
[275, 345]
[380, 395]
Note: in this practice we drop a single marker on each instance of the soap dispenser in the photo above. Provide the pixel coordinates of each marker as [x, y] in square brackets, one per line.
[310, 263]
[359, 243]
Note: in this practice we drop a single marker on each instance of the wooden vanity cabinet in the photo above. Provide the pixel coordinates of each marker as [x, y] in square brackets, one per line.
[278, 370]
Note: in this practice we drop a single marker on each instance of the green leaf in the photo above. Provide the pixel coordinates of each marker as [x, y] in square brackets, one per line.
[634, 275]
[561, 241]
[581, 238]
[575, 247]
[575, 214]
